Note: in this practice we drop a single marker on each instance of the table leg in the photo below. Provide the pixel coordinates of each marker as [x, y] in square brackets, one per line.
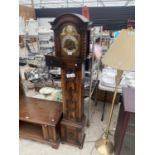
[104, 102]
[96, 90]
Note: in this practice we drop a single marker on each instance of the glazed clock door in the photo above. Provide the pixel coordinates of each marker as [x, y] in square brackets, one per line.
[70, 41]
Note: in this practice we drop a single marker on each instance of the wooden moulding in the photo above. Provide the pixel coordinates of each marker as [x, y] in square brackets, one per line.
[73, 133]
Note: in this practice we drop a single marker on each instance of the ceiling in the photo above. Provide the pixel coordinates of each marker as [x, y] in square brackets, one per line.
[76, 3]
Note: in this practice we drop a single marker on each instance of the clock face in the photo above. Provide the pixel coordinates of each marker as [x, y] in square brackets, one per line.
[70, 44]
[69, 41]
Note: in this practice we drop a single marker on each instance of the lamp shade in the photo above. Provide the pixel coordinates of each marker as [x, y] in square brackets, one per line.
[121, 54]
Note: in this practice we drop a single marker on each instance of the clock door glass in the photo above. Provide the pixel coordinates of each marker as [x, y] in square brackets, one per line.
[69, 41]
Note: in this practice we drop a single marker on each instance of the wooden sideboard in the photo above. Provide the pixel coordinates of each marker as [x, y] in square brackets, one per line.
[125, 129]
[39, 120]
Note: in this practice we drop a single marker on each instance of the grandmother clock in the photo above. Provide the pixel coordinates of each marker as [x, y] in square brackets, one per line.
[71, 39]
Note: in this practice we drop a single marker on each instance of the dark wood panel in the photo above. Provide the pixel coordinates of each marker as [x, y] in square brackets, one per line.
[45, 131]
[73, 133]
[40, 111]
[125, 128]
[30, 130]
[105, 96]
[72, 95]
[40, 120]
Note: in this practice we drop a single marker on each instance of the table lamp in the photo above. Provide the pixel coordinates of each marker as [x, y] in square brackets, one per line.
[121, 56]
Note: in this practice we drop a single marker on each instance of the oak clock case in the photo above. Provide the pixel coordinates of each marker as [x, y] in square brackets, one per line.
[71, 33]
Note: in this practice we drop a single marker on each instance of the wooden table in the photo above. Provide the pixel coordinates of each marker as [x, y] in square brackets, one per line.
[125, 129]
[39, 120]
[107, 95]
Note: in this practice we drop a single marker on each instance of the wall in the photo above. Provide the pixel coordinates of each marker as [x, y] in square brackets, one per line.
[112, 18]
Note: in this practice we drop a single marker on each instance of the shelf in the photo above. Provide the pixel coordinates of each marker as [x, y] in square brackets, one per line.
[34, 132]
[29, 130]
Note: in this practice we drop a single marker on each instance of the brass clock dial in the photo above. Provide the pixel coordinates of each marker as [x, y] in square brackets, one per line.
[69, 41]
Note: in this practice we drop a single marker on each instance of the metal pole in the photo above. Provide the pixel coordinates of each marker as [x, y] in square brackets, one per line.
[91, 81]
[32, 4]
[118, 80]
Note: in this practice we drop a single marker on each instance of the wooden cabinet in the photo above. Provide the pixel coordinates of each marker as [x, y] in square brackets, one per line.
[125, 129]
[39, 120]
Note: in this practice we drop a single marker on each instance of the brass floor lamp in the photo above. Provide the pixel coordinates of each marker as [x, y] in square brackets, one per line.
[121, 56]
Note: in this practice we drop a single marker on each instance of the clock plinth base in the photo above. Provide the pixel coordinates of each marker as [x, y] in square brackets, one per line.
[73, 133]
